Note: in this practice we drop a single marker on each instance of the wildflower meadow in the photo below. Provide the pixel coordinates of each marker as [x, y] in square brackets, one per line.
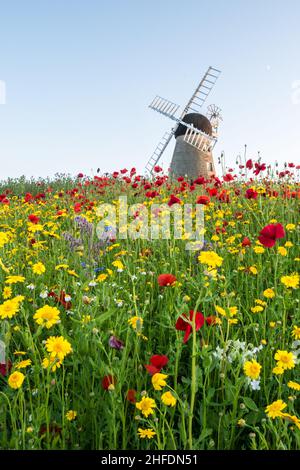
[110, 341]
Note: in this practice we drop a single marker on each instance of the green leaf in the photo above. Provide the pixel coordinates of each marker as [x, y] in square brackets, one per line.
[250, 404]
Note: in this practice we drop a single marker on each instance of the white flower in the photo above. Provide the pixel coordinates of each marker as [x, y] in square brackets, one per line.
[218, 353]
[255, 384]
[92, 284]
[68, 298]
[44, 294]
[31, 286]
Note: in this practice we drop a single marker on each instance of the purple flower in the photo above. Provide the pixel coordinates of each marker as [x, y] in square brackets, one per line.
[115, 343]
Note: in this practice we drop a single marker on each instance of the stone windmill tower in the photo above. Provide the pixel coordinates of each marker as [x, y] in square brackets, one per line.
[195, 134]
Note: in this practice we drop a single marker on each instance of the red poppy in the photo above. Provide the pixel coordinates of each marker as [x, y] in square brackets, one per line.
[228, 177]
[77, 207]
[34, 219]
[80, 175]
[249, 164]
[246, 242]
[270, 233]
[131, 394]
[157, 362]
[200, 180]
[61, 299]
[54, 430]
[5, 368]
[211, 320]
[166, 280]
[28, 197]
[107, 381]
[157, 169]
[173, 200]
[259, 167]
[183, 325]
[251, 194]
[212, 191]
[151, 194]
[203, 200]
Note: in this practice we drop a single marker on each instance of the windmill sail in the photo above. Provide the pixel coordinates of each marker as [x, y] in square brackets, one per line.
[161, 147]
[163, 106]
[202, 91]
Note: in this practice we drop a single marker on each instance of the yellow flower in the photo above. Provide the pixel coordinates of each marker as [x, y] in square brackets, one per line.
[7, 292]
[294, 385]
[72, 272]
[210, 258]
[253, 270]
[252, 369]
[38, 268]
[86, 319]
[55, 364]
[292, 419]
[256, 309]
[275, 409]
[58, 347]
[285, 359]
[291, 281]
[71, 415]
[61, 266]
[168, 399]
[146, 433]
[269, 293]
[24, 364]
[47, 316]
[136, 322]
[296, 332]
[118, 264]
[282, 251]
[158, 381]
[101, 277]
[220, 311]
[14, 279]
[146, 406]
[261, 302]
[233, 311]
[241, 423]
[2, 265]
[272, 324]
[258, 250]
[16, 380]
[290, 227]
[277, 370]
[4, 238]
[9, 308]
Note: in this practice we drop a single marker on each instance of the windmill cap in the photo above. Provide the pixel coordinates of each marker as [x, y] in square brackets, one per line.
[198, 120]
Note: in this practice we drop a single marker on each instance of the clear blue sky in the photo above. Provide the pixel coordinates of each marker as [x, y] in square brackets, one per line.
[81, 73]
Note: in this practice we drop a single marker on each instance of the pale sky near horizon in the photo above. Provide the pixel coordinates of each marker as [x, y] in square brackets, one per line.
[80, 74]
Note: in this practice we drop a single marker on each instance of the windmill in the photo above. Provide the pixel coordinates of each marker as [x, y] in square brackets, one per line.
[196, 134]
